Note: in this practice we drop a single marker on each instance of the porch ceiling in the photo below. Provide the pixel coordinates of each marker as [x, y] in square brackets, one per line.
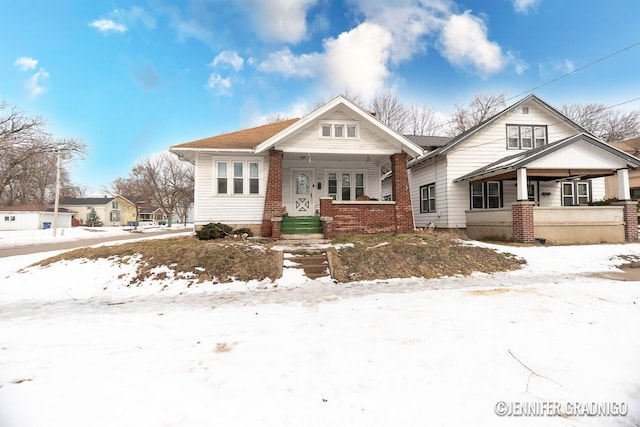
[379, 159]
[542, 175]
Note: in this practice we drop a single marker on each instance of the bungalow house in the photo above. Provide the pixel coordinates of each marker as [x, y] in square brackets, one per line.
[33, 217]
[326, 167]
[526, 173]
[629, 146]
[113, 210]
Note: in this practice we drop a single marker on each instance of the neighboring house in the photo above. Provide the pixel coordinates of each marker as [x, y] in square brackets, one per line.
[153, 214]
[528, 172]
[629, 146]
[112, 211]
[33, 217]
[322, 166]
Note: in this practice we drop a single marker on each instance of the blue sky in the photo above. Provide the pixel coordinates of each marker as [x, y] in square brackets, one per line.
[131, 78]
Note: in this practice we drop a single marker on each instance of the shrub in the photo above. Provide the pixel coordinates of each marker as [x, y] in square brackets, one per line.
[241, 231]
[213, 231]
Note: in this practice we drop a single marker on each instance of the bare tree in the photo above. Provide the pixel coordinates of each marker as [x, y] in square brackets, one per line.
[277, 118]
[27, 153]
[163, 181]
[481, 108]
[390, 111]
[610, 125]
[423, 121]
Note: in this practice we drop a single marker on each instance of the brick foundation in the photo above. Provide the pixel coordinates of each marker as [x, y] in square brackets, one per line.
[273, 196]
[630, 219]
[522, 213]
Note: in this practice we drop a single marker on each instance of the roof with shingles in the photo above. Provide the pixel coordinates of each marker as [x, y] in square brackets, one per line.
[33, 207]
[241, 139]
[81, 201]
[630, 146]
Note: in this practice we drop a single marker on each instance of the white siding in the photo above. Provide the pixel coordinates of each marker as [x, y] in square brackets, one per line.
[432, 172]
[369, 140]
[579, 155]
[229, 209]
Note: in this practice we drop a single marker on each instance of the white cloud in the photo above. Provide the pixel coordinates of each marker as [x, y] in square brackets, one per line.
[357, 60]
[280, 20]
[465, 44]
[230, 58]
[25, 63]
[34, 84]
[555, 68]
[284, 62]
[107, 25]
[524, 6]
[220, 85]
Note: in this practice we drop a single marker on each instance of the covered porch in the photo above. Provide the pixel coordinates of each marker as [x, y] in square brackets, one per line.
[563, 213]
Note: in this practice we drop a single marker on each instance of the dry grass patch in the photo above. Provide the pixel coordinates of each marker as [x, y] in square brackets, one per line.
[213, 260]
[429, 255]
[367, 257]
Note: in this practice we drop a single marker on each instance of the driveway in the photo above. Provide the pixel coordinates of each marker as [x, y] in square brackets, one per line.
[32, 248]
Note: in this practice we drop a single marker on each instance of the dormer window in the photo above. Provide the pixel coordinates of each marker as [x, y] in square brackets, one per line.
[339, 130]
[526, 137]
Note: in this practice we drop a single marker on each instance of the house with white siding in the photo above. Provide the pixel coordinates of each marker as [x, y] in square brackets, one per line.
[526, 173]
[325, 167]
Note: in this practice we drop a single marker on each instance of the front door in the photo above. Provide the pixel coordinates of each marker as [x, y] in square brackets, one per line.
[302, 193]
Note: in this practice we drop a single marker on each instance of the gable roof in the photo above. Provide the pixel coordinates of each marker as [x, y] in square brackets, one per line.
[407, 145]
[243, 139]
[472, 131]
[629, 146]
[33, 207]
[429, 141]
[522, 159]
[81, 201]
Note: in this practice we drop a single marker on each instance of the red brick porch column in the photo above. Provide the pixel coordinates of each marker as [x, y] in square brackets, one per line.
[273, 196]
[400, 193]
[630, 219]
[522, 214]
[326, 216]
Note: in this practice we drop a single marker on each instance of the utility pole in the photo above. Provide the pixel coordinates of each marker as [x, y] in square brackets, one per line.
[57, 201]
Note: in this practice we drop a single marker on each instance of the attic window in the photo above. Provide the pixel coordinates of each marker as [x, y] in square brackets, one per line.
[339, 130]
[525, 110]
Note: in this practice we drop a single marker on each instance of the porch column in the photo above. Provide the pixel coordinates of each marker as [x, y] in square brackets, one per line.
[624, 191]
[522, 214]
[273, 195]
[522, 190]
[630, 214]
[400, 193]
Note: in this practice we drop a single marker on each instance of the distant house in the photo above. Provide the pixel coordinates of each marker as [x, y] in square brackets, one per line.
[153, 214]
[528, 172]
[632, 147]
[33, 217]
[326, 167]
[112, 211]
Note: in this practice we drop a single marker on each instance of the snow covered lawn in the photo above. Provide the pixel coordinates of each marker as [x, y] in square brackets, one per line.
[79, 349]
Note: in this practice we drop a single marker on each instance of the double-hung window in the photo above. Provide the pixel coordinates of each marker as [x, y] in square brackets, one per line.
[428, 198]
[239, 177]
[526, 137]
[345, 185]
[486, 195]
[576, 193]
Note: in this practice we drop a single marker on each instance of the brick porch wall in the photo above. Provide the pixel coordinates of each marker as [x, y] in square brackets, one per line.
[273, 196]
[357, 218]
[522, 213]
[400, 193]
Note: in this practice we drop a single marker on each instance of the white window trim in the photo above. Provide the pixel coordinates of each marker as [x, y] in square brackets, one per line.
[533, 135]
[430, 196]
[339, 173]
[246, 178]
[345, 124]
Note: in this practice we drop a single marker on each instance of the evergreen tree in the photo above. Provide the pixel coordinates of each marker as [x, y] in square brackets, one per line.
[93, 220]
